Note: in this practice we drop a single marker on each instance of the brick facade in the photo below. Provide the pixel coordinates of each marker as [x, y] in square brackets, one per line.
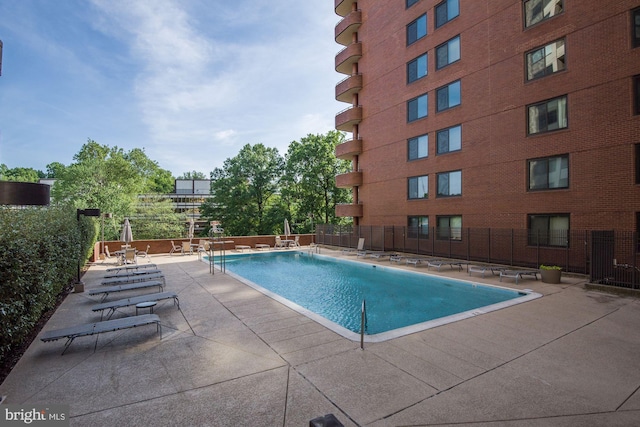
[599, 139]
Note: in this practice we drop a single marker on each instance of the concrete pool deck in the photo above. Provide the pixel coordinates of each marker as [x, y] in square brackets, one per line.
[230, 356]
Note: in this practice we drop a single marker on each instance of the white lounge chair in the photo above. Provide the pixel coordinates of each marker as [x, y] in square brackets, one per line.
[360, 248]
[482, 269]
[175, 248]
[107, 256]
[279, 243]
[144, 254]
[518, 274]
[437, 263]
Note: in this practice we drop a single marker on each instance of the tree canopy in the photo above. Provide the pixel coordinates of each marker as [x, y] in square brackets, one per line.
[108, 178]
[257, 189]
[245, 190]
[309, 182]
[20, 174]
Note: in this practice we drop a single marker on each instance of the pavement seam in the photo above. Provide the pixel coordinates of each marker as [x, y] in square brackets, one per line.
[501, 365]
[500, 421]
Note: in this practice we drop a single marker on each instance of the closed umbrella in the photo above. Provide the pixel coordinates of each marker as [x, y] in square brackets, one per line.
[192, 227]
[126, 235]
[287, 230]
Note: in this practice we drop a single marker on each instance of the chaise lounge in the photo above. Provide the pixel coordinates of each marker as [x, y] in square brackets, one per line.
[124, 280]
[127, 269]
[100, 327]
[112, 306]
[518, 274]
[128, 287]
[438, 263]
[360, 248]
[482, 269]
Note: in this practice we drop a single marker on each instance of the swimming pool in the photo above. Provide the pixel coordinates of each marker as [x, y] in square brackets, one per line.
[398, 302]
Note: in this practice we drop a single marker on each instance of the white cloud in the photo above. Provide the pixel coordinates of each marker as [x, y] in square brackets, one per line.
[194, 81]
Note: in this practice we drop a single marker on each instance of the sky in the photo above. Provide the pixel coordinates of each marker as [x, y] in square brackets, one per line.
[189, 81]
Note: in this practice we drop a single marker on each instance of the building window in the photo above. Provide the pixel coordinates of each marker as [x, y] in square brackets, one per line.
[549, 230]
[448, 52]
[417, 108]
[446, 11]
[449, 184]
[449, 140]
[419, 187]
[449, 227]
[545, 60]
[540, 10]
[635, 25]
[418, 147]
[411, 3]
[417, 68]
[417, 29]
[548, 115]
[448, 96]
[549, 173]
[636, 94]
[418, 226]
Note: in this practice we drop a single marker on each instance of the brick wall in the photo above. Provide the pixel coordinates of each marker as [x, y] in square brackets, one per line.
[163, 246]
[599, 140]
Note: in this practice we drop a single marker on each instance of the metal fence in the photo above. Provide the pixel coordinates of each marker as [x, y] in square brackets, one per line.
[608, 257]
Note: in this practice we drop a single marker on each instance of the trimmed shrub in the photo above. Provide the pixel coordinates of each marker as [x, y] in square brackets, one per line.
[39, 252]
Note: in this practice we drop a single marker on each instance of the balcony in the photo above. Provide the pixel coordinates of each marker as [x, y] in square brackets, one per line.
[346, 119]
[347, 27]
[347, 57]
[349, 179]
[352, 210]
[348, 87]
[348, 149]
[343, 7]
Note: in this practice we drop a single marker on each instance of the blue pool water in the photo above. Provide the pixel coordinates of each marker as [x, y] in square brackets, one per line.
[334, 290]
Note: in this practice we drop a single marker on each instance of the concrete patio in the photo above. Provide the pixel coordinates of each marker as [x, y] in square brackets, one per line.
[230, 356]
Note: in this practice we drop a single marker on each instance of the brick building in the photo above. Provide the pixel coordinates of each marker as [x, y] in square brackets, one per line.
[491, 113]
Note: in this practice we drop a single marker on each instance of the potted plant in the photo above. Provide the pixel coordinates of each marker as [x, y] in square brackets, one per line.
[550, 273]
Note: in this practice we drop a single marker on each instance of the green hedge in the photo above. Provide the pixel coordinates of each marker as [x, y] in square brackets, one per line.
[39, 252]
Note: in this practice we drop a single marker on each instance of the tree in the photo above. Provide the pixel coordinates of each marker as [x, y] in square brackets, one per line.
[55, 169]
[20, 174]
[154, 217]
[107, 178]
[156, 179]
[244, 191]
[308, 186]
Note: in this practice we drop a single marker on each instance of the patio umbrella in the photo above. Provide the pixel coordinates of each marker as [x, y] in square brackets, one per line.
[126, 235]
[287, 230]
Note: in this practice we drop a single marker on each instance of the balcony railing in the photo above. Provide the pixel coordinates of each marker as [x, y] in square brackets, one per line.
[349, 210]
[346, 119]
[343, 7]
[347, 87]
[347, 27]
[349, 179]
[347, 57]
[348, 149]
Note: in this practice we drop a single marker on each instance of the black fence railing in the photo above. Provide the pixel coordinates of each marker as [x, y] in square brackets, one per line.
[608, 257]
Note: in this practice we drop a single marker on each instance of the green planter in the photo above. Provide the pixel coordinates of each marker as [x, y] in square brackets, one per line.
[550, 274]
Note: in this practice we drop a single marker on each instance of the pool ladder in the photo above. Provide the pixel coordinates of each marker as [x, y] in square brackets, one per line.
[363, 323]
